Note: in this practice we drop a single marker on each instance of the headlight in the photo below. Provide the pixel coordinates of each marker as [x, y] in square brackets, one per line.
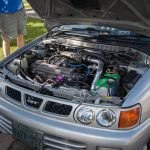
[85, 115]
[106, 118]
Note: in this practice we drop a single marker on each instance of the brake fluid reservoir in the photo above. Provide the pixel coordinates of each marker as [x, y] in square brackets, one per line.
[108, 85]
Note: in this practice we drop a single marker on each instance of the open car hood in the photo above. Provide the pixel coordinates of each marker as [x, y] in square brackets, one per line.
[133, 15]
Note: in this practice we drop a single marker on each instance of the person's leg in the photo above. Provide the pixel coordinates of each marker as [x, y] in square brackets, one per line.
[8, 31]
[21, 27]
[20, 41]
[6, 46]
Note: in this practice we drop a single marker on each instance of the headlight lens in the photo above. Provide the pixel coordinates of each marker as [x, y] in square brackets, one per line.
[106, 118]
[85, 115]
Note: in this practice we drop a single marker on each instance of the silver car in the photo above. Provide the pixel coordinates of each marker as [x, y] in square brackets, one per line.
[84, 85]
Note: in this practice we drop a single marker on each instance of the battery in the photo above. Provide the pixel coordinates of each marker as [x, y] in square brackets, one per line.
[108, 85]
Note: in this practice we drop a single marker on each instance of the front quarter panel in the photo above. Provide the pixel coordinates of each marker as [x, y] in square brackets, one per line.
[140, 94]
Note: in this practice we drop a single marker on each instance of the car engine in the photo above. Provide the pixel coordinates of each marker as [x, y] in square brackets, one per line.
[80, 74]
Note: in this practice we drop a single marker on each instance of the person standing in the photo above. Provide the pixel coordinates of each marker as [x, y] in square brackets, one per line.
[12, 23]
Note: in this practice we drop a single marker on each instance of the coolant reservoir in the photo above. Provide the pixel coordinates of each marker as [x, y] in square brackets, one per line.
[108, 85]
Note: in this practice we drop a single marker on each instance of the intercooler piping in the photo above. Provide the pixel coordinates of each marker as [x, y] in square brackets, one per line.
[99, 69]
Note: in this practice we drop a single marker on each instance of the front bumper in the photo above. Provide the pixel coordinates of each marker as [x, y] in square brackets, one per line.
[65, 135]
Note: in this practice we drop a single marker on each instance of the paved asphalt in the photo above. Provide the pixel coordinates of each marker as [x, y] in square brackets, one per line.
[31, 13]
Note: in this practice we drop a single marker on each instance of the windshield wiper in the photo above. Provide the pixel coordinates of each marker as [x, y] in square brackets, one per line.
[88, 29]
[75, 31]
[130, 38]
[98, 34]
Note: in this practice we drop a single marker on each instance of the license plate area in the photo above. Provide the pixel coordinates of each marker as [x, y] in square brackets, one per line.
[28, 136]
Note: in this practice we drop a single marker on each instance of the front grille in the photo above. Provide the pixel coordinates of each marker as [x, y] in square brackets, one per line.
[14, 94]
[33, 102]
[6, 124]
[58, 108]
[58, 143]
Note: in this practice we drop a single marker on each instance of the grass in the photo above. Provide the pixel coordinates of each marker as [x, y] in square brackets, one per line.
[26, 4]
[35, 28]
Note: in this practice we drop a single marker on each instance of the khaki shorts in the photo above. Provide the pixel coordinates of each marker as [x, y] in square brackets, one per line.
[12, 25]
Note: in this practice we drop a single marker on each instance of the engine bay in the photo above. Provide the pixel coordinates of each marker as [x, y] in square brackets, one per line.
[79, 73]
